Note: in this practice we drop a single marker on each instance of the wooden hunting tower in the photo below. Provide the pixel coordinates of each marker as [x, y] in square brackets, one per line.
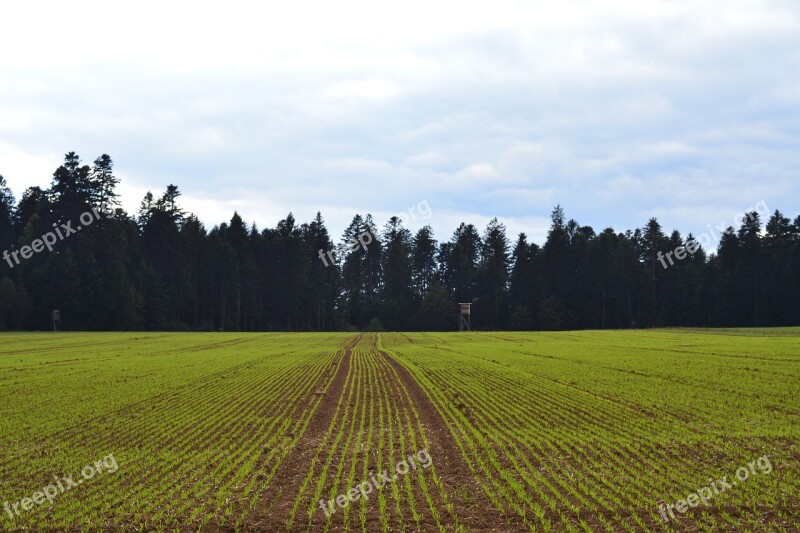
[463, 317]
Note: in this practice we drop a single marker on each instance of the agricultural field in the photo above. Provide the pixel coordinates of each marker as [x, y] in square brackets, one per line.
[660, 430]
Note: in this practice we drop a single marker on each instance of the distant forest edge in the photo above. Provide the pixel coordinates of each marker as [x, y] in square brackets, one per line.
[161, 269]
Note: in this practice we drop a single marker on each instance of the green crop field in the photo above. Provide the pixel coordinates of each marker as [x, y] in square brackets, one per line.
[655, 430]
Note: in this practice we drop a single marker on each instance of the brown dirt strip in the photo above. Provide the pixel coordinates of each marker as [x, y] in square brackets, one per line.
[272, 512]
[472, 506]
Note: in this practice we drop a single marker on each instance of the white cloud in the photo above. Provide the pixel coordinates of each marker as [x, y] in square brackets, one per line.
[616, 110]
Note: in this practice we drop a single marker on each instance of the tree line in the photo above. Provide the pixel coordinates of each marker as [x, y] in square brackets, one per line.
[162, 269]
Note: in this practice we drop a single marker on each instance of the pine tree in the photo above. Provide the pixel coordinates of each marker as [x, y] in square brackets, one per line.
[423, 262]
[492, 277]
[104, 182]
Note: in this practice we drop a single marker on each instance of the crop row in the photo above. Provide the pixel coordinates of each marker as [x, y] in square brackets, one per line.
[374, 427]
[566, 458]
[200, 453]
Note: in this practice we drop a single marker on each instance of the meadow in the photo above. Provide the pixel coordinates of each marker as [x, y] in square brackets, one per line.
[498, 431]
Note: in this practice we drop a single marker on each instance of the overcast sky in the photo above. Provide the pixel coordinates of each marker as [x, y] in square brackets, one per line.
[688, 111]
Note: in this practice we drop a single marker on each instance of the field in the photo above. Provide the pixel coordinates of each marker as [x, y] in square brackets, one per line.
[569, 431]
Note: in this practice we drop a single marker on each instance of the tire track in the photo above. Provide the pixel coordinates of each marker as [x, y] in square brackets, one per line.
[272, 512]
[471, 504]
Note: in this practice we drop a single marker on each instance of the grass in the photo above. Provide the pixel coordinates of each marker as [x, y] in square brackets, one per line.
[575, 431]
[615, 423]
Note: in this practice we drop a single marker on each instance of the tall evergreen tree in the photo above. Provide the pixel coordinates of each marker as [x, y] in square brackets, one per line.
[423, 262]
[103, 182]
[322, 296]
[526, 284]
[397, 288]
[72, 188]
[492, 277]
[461, 263]
[553, 312]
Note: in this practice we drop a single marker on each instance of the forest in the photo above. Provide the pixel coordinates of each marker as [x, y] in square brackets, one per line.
[162, 269]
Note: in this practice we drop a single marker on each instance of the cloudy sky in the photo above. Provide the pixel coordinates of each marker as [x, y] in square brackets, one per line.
[688, 111]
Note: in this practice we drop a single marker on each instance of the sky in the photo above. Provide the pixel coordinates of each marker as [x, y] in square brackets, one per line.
[619, 111]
